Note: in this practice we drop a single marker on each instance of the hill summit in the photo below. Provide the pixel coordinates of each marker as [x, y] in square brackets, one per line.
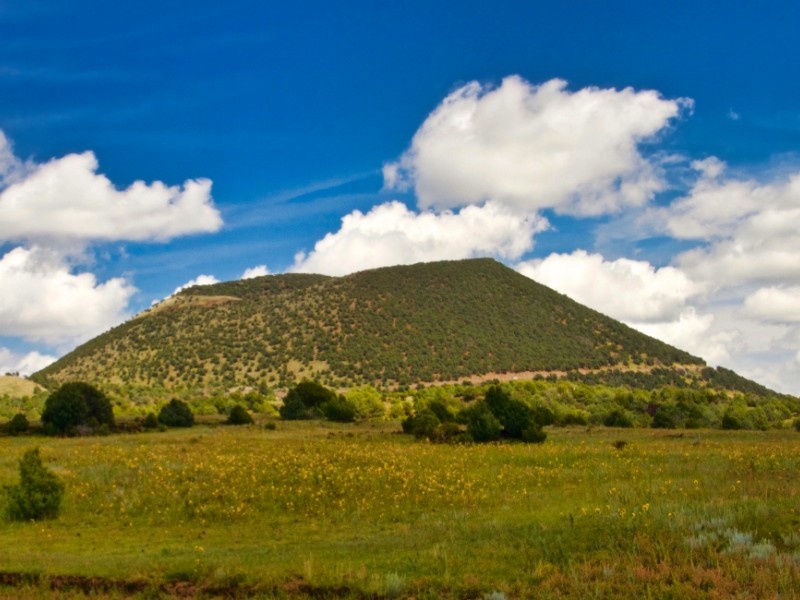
[429, 322]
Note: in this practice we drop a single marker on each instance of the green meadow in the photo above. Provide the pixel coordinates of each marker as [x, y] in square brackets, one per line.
[316, 509]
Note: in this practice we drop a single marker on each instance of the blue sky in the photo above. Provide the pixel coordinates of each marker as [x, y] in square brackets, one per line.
[641, 157]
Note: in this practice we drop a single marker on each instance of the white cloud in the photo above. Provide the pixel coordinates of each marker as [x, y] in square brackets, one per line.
[55, 211]
[66, 201]
[536, 146]
[11, 168]
[391, 234]
[774, 304]
[199, 280]
[24, 364]
[257, 271]
[42, 299]
[749, 228]
[628, 290]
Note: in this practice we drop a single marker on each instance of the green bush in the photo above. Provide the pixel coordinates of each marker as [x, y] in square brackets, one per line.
[665, 417]
[76, 404]
[293, 407]
[736, 417]
[618, 418]
[306, 400]
[482, 424]
[17, 425]
[441, 411]
[517, 419]
[39, 492]
[239, 416]
[339, 410]
[422, 425]
[176, 414]
[448, 432]
[534, 434]
[150, 421]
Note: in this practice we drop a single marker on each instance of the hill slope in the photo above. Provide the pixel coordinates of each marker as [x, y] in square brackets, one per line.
[395, 325]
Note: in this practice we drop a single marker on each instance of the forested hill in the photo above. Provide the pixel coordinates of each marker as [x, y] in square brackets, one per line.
[393, 326]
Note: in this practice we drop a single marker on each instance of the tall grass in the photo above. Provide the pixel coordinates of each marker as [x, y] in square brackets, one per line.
[707, 514]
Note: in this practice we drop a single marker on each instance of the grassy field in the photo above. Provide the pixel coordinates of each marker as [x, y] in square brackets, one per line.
[322, 510]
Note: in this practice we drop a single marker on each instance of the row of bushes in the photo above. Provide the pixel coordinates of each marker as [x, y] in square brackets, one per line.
[496, 416]
[77, 408]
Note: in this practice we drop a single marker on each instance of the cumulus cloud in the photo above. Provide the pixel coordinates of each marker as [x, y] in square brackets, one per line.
[11, 168]
[628, 290]
[66, 200]
[41, 298]
[749, 228]
[536, 146]
[774, 304]
[199, 280]
[391, 234]
[24, 364]
[257, 271]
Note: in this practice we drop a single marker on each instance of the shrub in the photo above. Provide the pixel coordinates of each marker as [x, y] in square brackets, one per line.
[441, 411]
[306, 400]
[17, 425]
[39, 492]
[150, 421]
[293, 407]
[239, 416]
[421, 425]
[543, 415]
[76, 404]
[176, 414]
[313, 394]
[517, 419]
[797, 424]
[735, 418]
[665, 418]
[482, 425]
[339, 410]
[534, 434]
[618, 418]
[448, 432]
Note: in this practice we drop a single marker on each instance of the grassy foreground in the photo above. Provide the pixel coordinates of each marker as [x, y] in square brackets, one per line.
[322, 510]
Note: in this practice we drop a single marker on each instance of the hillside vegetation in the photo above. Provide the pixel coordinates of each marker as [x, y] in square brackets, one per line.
[395, 326]
[16, 387]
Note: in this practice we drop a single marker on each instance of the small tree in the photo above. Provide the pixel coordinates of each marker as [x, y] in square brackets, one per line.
[239, 416]
[339, 410]
[306, 400]
[150, 421]
[482, 425]
[293, 407]
[421, 425]
[176, 413]
[17, 425]
[76, 403]
[39, 493]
